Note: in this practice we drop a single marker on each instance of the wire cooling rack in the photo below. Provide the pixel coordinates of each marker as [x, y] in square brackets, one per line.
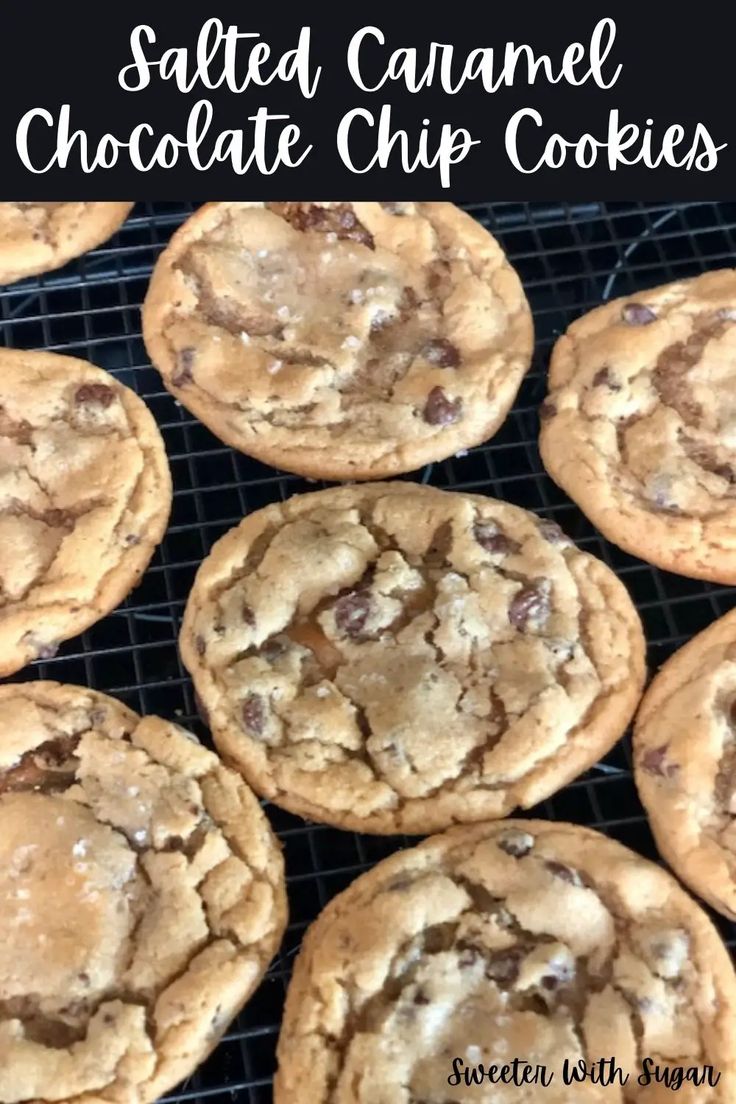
[570, 257]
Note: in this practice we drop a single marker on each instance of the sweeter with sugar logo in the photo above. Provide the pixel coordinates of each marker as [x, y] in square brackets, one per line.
[604, 1072]
[241, 63]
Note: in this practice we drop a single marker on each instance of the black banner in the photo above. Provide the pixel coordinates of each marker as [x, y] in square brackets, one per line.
[281, 101]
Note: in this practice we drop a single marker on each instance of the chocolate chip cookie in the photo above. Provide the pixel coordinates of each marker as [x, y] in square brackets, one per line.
[339, 340]
[396, 658]
[523, 940]
[640, 424]
[85, 494]
[685, 762]
[38, 237]
[143, 898]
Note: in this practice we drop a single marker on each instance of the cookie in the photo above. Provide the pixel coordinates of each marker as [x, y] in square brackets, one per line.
[685, 763]
[640, 424]
[143, 898]
[524, 940]
[396, 658]
[38, 237]
[339, 340]
[85, 494]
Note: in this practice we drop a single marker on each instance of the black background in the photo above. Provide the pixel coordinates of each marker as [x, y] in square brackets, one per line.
[676, 70]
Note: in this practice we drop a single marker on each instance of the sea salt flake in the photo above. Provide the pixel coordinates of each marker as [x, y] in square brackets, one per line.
[140, 835]
[262, 253]
[357, 295]
[274, 367]
[133, 791]
[322, 692]
[80, 848]
[244, 337]
[283, 312]
[331, 237]
[351, 342]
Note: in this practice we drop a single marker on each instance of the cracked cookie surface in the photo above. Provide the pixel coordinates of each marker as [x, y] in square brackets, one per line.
[640, 423]
[85, 494]
[396, 658]
[143, 898]
[523, 939]
[685, 762]
[339, 340]
[38, 237]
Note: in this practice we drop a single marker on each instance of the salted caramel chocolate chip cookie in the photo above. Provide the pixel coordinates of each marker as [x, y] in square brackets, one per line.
[395, 658]
[143, 898]
[685, 763]
[526, 940]
[85, 494]
[640, 423]
[339, 340]
[38, 237]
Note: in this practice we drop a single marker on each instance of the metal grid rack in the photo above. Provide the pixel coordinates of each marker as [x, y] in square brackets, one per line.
[570, 257]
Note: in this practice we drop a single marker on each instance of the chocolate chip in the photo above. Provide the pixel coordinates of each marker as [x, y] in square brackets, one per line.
[490, 536]
[442, 353]
[200, 645]
[248, 615]
[394, 208]
[94, 394]
[351, 613]
[254, 714]
[564, 873]
[420, 997]
[547, 410]
[409, 301]
[551, 532]
[340, 219]
[185, 362]
[504, 965]
[515, 842]
[655, 761]
[84, 978]
[273, 649]
[131, 539]
[637, 314]
[604, 378]
[530, 605]
[562, 973]
[440, 409]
